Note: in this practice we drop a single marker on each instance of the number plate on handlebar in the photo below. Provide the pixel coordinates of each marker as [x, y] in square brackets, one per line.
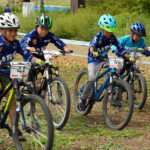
[19, 69]
[48, 54]
[116, 62]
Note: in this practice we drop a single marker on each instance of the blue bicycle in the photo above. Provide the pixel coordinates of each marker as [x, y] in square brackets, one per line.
[117, 99]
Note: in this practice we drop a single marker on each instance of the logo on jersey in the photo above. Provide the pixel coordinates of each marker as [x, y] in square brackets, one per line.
[1, 49]
[100, 42]
[34, 41]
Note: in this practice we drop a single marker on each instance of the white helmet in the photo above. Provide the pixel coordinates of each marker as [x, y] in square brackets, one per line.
[9, 21]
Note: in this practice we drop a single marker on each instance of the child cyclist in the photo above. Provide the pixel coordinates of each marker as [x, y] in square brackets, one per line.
[133, 41]
[38, 39]
[100, 46]
[9, 46]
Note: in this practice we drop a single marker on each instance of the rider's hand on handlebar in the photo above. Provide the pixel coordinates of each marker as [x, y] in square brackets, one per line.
[95, 54]
[146, 52]
[31, 49]
[67, 50]
[39, 61]
[132, 59]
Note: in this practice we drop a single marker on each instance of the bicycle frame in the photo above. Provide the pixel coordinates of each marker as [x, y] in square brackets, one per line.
[14, 87]
[99, 92]
[130, 73]
[9, 102]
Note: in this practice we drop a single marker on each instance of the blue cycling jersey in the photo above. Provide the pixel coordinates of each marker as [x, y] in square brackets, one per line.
[129, 45]
[102, 45]
[32, 39]
[7, 10]
[8, 53]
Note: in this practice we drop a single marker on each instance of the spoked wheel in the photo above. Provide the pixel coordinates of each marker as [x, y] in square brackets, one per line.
[59, 104]
[78, 89]
[39, 131]
[140, 91]
[118, 105]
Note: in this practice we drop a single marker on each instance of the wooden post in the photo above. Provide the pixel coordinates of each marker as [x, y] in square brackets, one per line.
[77, 4]
[41, 5]
[74, 5]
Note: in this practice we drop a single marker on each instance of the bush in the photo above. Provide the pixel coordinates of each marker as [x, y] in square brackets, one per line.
[83, 24]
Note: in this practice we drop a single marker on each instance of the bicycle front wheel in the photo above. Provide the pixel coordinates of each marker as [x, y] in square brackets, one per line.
[38, 133]
[140, 91]
[58, 102]
[118, 105]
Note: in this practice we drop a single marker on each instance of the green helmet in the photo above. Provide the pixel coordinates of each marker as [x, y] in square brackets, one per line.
[43, 21]
[108, 23]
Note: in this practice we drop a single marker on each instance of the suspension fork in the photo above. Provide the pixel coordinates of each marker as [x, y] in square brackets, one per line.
[49, 93]
[19, 108]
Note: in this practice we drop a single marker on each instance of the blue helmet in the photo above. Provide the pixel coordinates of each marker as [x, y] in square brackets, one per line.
[108, 23]
[138, 29]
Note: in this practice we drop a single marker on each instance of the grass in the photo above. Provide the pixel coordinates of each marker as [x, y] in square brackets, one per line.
[90, 132]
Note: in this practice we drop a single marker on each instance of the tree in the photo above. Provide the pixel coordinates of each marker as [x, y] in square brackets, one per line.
[77, 4]
[41, 5]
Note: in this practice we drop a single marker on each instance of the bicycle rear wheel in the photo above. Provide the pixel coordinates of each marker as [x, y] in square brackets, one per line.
[39, 131]
[77, 92]
[59, 104]
[140, 91]
[118, 105]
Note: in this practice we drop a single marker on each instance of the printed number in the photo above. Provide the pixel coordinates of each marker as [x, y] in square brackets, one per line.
[21, 69]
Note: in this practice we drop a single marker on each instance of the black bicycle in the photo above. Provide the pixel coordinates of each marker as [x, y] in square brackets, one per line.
[134, 77]
[50, 86]
[37, 129]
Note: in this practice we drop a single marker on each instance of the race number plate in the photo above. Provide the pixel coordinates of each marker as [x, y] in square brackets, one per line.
[116, 62]
[19, 69]
[48, 54]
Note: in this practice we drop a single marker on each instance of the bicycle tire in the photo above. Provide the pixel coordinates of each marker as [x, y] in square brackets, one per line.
[76, 96]
[61, 97]
[48, 139]
[143, 94]
[123, 87]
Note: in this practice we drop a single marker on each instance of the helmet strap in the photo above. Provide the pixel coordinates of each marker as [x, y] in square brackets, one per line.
[6, 38]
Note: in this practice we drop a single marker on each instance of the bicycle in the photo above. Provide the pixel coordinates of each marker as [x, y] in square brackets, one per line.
[134, 77]
[57, 95]
[117, 100]
[37, 129]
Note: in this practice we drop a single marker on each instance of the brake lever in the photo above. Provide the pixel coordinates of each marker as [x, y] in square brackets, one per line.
[64, 53]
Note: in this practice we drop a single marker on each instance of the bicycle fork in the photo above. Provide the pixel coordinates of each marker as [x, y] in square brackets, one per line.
[49, 93]
[19, 105]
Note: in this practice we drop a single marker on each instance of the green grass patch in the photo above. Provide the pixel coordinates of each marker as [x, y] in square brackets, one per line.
[111, 146]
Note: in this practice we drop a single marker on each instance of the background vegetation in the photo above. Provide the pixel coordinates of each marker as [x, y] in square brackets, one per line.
[83, 24]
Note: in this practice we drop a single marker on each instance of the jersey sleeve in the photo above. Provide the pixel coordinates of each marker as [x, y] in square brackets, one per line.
[118, 46]
[24, 53]
[26, 41]
[94, 41]
[121, 41]
[57, 42]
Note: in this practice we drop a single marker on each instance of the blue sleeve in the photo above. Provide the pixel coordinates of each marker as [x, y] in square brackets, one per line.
[121, 50]
[57, 42]
[26, 41]
[24, 53]
[121, 41]
[94, 41]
